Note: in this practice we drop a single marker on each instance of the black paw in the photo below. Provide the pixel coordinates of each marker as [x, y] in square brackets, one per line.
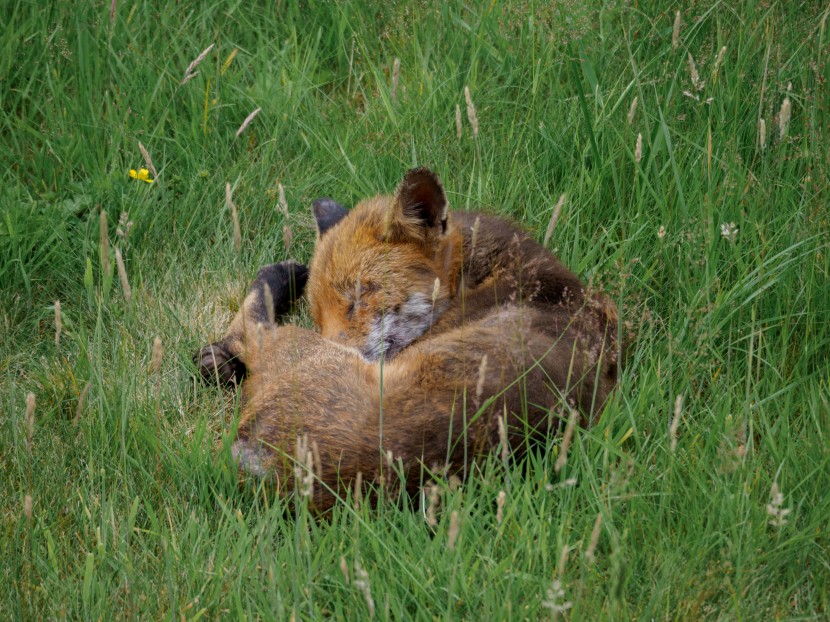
[286, 281]
[215, 362]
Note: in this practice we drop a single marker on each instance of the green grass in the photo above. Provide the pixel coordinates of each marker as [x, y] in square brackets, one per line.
[136, 508]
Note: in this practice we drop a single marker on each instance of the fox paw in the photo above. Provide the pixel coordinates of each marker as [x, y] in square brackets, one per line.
[214, 362]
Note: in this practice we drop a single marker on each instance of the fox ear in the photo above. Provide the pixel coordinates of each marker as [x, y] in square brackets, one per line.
[420, 204]
[327, 213]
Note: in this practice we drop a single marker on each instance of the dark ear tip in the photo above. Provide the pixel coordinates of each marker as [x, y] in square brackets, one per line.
[327, 212]
[420, 175]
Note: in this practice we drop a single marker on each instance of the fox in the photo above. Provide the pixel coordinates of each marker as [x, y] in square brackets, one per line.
[439, 337]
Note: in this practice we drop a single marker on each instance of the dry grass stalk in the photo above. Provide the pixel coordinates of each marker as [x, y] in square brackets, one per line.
[79, 408]
[675, 422]
[358, 490]
[562, 460]
[58, 324]
[472, 117]
[592, 545]
[192, 66]
[632, 110]
[122, 274]
[784, 118]
[27, 508]
[287, 237]
[500, 499]
[436, 290]
[30, 419]
[563, 560]
[505, 448]
[474, 237]
[113, 6]
[396, 71]
[247, 122]
[237, 233]
[458, 128]
[344, 568]
[554, 218]
[105, 244]
[268, 299]
[482, 375]
[452, 534]
[158, 353]
[148, 160]
[675, 35]
[281, 200]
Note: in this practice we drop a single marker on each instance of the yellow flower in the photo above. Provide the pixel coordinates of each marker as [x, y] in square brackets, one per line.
[143, 174]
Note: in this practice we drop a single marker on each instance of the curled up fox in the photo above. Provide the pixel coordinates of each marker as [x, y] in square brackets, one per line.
[432, 326]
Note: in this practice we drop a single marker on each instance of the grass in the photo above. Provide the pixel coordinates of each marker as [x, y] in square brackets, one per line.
[136, 511]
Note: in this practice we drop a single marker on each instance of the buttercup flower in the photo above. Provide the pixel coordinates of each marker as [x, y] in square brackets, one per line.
[143, 174]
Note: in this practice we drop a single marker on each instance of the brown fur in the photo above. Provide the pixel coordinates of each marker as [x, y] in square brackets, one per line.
[431, 401]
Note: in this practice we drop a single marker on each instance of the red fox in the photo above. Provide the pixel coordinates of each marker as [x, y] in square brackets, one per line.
[432, 327]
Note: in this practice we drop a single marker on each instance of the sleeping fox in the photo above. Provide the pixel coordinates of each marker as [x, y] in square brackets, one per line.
[432, 327]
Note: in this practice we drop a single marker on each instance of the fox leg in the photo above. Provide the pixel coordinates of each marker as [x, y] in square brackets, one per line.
[274, 290]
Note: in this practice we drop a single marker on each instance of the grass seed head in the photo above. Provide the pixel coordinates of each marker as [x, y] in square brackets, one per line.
[632, 110]
[361, 582]
[287, 238]
[281, 199]
[784, 118]
[775, 508]
[592, 545]
[675, 422]
[105, 243]
[122, 275]
[762, 134]
[638, 148]
[148, 160]
[554, 218]
[694, 75]
[458, 128]
[27, 507]
[562, 460]
[472, 117]
[247, 122]
[195, 63]
[237, 233]
[482, 375]
[675, 35]
[500, 499]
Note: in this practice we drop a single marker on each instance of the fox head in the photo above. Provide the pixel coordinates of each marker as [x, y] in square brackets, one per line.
[384, 272]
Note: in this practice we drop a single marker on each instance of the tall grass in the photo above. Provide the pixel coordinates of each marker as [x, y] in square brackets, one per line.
[135, 507]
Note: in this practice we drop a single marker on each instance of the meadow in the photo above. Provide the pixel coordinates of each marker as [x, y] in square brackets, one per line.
[690, 142]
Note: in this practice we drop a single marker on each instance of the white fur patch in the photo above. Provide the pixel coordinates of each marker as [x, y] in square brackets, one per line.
[394, 330]
[248, 458]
